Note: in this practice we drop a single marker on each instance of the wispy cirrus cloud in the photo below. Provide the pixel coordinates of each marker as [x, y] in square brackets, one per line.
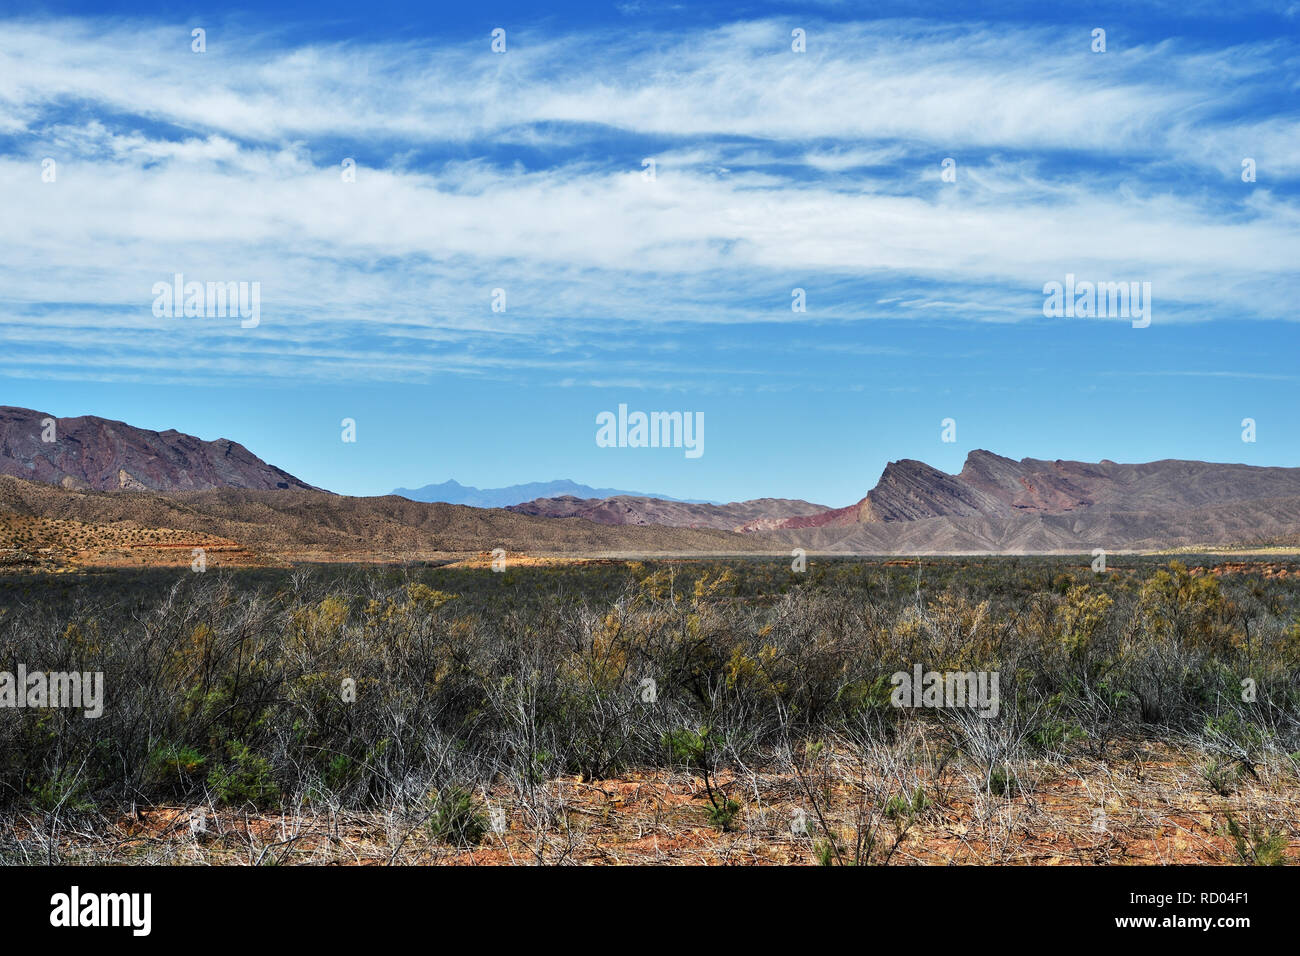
[524, 172]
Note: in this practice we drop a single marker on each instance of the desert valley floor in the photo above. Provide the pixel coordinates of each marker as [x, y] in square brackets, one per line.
[659, 711]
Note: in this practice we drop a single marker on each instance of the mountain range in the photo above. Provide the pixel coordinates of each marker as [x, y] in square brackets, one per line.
[997, 504]
[87, 452]
[740, 516]
[86, 486]
[453, 492]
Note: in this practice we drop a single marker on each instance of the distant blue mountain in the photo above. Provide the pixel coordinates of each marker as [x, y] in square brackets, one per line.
[454, 493]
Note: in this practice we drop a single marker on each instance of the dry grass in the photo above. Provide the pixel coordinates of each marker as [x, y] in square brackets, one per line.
[1146, 804]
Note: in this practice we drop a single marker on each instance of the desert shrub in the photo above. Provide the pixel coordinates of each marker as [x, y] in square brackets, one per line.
[1222, 776]
[723, 814]
[456, 818]
[1050, 729]
[1233, 734]
[64, 789]
[900, 806]
[1083, 620]
[1003, 781]
[1189, 609]
[234, 679]
[1256, 843]
[244, 778]
[700, 750]
[825, 852]
[176, 766]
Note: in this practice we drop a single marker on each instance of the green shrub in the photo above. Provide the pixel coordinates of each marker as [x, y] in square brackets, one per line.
[698, 749]
[1230, 730]
[1051, 735]
[176, 765]
[456, 818]
[64, 791]
[1257, 844]
[245, 778]
[723, 814]
[1223, 776]
[900, 807]
[1004, 782]
[341, 771]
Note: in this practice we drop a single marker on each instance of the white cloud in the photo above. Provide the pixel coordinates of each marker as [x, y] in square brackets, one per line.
[774, 170]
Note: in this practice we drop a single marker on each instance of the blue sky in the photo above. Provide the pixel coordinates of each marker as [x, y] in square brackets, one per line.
[774, 170]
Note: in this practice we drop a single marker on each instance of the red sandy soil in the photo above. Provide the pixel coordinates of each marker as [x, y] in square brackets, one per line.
[1145, 804]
